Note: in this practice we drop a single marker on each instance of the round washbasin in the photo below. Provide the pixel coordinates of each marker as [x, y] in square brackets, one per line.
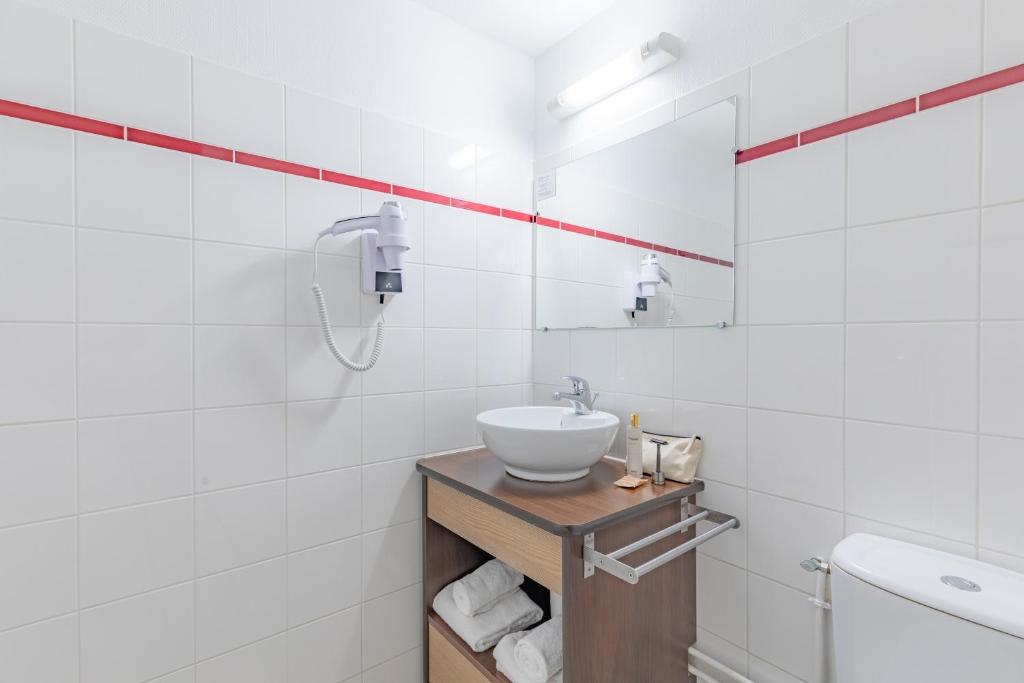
[542, 443]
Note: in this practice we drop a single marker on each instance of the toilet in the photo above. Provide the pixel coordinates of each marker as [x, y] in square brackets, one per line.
[907, 614]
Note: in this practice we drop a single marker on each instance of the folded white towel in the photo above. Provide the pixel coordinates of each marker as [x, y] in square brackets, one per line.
[539, 653]
[504, 656]
[513, 612]
[477, 592]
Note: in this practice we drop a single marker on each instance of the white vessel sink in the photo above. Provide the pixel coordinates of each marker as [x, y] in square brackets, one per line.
[542, 443]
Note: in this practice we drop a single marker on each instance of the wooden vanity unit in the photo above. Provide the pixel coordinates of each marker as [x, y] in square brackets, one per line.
[614, 631]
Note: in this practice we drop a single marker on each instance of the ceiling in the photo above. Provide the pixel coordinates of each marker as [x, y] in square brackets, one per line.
[531, 26]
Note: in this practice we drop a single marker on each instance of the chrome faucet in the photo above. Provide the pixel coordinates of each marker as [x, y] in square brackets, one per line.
[581, 397]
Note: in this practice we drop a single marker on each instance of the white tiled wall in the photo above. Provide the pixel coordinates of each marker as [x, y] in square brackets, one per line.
[191, 489]
[872, 383]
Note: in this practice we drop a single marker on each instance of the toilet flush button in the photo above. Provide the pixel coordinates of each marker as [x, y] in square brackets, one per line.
[961, 583]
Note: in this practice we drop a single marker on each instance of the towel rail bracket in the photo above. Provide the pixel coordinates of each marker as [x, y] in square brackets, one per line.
[612, 564]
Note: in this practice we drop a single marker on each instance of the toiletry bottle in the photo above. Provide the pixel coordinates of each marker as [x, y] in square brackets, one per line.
[634, 447]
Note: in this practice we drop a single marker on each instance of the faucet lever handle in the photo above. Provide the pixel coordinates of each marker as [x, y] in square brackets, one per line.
[579, 384]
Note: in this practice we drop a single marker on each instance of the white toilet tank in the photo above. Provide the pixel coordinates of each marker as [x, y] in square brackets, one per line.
[906, 614]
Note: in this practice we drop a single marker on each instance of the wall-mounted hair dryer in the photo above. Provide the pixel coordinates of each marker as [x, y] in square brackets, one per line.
[642, 283]
[383, 244]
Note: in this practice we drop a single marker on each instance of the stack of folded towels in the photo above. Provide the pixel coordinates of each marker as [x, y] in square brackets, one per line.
[486, 605]
[532, 656]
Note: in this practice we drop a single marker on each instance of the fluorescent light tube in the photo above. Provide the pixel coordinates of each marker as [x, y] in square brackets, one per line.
[635, 65]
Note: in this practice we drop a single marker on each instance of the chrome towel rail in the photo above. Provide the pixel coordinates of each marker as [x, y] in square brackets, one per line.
[610, 562]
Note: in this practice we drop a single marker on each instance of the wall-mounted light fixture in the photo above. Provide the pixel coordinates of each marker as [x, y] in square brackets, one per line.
[652, 55]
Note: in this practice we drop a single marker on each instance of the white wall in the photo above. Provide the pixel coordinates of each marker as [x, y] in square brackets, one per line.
[872, 381]
[191, 489]
[719, 38]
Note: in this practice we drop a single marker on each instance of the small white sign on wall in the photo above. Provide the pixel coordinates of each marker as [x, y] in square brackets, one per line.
[544, 186]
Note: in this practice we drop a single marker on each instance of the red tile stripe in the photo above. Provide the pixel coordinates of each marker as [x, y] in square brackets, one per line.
[409, 192]
[355, 181]
[60, 119]
[276, 165]
[958, 91]
[516, 215]
[579, 229]
[475, 206]
[548, 223]
[146, 137]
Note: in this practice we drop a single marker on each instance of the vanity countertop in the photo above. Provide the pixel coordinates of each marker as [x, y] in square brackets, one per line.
[570, 508]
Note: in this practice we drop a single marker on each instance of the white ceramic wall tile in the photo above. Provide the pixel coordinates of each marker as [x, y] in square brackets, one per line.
[780, 270]
[782, 533]
[449, 166]
[37, 472]
[449, 359]
[502, 301]
[37, 363]
[1003, 143]
[798, 191]
[921, 164]
[644, 362]
[722, 599]
[921, 269]
[505, 180]
[326, 650]
[392, 494]
[323, 508]
[558, 254]
[766, 673]
[912, 47]
[450, 297]
[711, 365]
[29, 35]
[313, 205]
[499, 357]
[38, 565]
[781, 626]
[35, 172]
[130, 460]
[237, 285]
[313, 372]
[730, 547]
[593, 357]
[131, 187]
[797, 456]
[235, 110]
[916, 374]
[239, 365]
[380, 440]
[722, 650]
[235, 203]
[1002, 370]
[405, 668]
[401, 368]
[226, 615]
[1004, 20]
[391, 150]
[37, 259]
[123, 278]
[449, 237]
[799, 89]
[134, 550]
[504, 245]
[797, 368]
[239, 526]
[46, 652]
[724, 432]
[324, 435]
[915, 478]
[262, 662]
[138, 638]
[392, 625]
[237, 446]
[392, 559]
[324, 580]
[321, 132]
[1002, 248]
[134, 83]
[450, 419]
[859, 525]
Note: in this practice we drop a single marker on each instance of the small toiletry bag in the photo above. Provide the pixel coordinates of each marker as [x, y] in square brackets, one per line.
[679, 459]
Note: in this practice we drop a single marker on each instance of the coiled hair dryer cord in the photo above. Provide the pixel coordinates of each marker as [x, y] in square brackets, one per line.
[325, 327]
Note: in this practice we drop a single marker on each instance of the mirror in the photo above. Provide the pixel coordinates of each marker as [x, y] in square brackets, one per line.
[640, 234]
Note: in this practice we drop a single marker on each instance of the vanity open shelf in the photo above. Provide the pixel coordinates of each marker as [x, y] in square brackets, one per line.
[614, 630]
